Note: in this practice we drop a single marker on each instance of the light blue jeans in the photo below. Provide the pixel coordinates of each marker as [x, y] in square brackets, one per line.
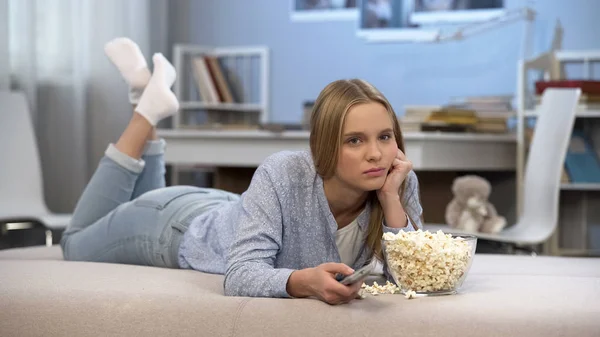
[127, 215]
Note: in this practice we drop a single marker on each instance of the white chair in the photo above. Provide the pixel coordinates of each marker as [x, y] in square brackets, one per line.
[21, 188]
[545, 161]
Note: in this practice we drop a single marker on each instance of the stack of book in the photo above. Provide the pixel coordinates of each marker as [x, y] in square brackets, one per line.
[492, 112]
[590, 91]
[451, 119]
[487, 114]
[415, 116]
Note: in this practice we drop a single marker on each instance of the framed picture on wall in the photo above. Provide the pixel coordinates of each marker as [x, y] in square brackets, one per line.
[324, 10]
[389, 21]
[455, 11]
[419, 20]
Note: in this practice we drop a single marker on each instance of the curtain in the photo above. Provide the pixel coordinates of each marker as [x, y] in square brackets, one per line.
[4, 72]
[77, 98]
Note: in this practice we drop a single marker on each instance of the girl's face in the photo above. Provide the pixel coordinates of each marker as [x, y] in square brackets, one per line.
[368, 147]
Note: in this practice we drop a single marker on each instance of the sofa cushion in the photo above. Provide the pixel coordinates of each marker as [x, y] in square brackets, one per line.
[502, 296]
[59, 298]
[483, 264]
[32, 253]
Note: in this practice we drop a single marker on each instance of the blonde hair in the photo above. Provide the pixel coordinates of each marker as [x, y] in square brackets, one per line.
[326, 127]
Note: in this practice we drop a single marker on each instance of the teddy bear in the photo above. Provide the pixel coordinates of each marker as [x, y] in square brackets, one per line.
[470, 209]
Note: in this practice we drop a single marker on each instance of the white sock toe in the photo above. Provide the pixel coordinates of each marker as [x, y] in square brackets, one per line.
[170, 74]
[158, 101]
[129, 60]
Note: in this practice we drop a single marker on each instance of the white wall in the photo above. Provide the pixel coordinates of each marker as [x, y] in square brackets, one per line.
[179, 23]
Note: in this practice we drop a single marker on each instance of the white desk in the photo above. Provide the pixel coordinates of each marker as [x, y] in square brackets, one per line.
[427, 151]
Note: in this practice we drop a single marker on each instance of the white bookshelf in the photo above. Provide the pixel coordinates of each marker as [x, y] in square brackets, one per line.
[190, 105]
[245, 66]
[582, 113]
[579, 212]
[580, 186]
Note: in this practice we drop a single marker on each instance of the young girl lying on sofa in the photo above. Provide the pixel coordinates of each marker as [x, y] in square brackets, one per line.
[306, 216]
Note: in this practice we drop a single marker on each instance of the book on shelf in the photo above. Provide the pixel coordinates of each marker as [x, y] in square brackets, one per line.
[484, 104]
[590, 92]
[529, 132]
[491, 128]
[490, 118]
[421, 111]
[411, 123]
[218, 77]
[582, 162]
[493, 112]
[445, 127]
[410, 128]
[481, 114]
[583, 99]
[453, 115]
[588, 87]
[214, 82]
[204, 82]
[415, 116]
[586, 102]
[219, 89]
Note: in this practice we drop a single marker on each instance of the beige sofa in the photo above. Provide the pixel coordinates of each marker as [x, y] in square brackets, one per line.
[41, 295]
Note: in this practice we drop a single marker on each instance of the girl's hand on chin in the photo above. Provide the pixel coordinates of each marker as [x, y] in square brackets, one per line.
[400, 169]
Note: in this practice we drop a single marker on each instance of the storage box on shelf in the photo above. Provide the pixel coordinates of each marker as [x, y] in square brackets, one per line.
[579, 218]
[223, 87]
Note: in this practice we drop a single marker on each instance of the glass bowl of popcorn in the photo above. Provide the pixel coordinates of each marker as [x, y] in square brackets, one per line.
[425, 263]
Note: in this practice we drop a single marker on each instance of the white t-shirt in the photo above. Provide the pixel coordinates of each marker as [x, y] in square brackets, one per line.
[349, 241]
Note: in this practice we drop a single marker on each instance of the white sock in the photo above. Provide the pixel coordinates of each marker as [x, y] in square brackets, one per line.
[158, 101]
[128, 58]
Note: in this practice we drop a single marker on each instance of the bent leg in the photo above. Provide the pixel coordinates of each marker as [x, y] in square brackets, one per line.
[114, 180]
[111, 185]
[153, 175]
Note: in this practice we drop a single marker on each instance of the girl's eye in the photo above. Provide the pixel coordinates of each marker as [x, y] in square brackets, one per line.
[386, 137]
[354, 141]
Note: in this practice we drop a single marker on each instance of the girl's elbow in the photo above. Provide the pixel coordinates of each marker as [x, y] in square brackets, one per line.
[230, 286]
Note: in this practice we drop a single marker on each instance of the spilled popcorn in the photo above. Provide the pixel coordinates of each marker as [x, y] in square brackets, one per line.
[376, 289]
[421, 261]
[410, 294]
[387, 288]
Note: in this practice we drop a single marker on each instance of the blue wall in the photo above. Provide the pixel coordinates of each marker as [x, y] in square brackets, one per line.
[305, 56]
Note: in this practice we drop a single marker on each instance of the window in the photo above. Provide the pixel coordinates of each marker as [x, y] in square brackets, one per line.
[323, 10]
